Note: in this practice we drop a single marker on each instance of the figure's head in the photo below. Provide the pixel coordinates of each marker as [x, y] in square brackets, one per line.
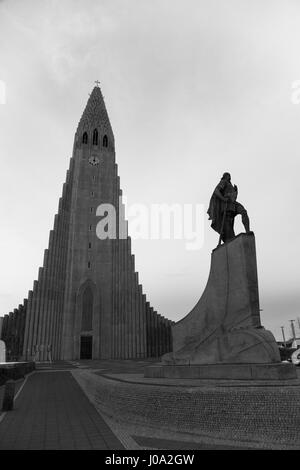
[226, 176]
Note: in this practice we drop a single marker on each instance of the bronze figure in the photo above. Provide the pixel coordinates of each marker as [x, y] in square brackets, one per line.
[223, 208]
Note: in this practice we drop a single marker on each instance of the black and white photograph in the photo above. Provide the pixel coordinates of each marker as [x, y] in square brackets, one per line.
[149, 242]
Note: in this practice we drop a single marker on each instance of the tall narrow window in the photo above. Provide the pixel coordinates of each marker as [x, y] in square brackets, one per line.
[90, 245]
[90, 228]
[91, 209]
[87, 310]
[85, 138]
[89, 264]
[105, 141]
[95, 137]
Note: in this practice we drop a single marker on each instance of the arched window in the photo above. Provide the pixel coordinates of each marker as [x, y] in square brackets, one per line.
[87, 310]
[85, 138]
[105, 141]
[95, 137]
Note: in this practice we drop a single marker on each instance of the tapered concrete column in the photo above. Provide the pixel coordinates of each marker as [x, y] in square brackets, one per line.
[118, 274]
[117, 328]
[144, 324]
[127, 303]
[61, 272]
[43, 304]
[59, 283]
[121, 301]
[57, 280]
[26, 351]
[17, 330]
[31, 343]
[62, 231]
[58, 286]
[49, 297]
[14, 331]
[4, 327]
[66, 231]
[152, 328]
[49, 294]
[165, 337]
[21, 331]
[113, 314]
[137, 332]
[36, 338]
[139, 320]
[134, 319]
[122, 284]
[152, 319]
[25, 304]
[124, 340]
[149, 332]
[113, 303]
[155, 328]
[36, 313]
[169, 337]
[54, 291]
[9, 335]
[159, 324]
[162, 336]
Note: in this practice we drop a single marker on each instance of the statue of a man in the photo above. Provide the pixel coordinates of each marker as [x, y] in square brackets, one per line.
[223, 208]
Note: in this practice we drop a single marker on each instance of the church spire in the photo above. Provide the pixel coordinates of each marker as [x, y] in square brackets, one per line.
[95, 114]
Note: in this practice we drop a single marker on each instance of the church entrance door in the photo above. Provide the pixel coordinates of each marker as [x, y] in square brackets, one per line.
[86, 347]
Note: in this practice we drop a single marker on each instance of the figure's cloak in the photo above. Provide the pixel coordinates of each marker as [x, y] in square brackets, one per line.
[215, 212]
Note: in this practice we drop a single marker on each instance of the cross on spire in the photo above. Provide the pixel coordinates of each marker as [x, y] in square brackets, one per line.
[97, 83]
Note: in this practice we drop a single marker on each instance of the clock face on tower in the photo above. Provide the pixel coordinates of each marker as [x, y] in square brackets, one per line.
[94, 160]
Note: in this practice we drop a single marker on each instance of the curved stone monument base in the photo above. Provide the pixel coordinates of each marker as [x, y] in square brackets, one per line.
[242, 345]
[222, 336]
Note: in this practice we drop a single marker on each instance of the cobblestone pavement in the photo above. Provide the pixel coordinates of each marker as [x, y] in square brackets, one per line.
[256, 416]
[52, 412]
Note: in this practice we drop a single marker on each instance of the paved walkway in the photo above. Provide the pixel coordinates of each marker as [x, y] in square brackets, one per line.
[52, 412]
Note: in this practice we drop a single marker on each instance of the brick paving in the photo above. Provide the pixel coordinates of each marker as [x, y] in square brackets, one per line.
[52, 412]
[266, 416]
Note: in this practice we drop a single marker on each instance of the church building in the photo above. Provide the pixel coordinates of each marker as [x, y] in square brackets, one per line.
[87, 302]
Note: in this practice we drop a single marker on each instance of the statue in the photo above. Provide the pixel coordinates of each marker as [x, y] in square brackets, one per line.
[223, 208]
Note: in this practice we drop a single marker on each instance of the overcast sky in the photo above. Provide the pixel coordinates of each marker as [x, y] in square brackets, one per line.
[193, 88]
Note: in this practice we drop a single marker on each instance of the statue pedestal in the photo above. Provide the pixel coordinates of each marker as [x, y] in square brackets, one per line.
[276, 371]
[222, 336]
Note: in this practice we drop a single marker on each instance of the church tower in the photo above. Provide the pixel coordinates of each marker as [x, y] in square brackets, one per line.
[87, 302]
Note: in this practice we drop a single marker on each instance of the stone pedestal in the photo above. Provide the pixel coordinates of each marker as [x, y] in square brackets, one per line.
[223, 333]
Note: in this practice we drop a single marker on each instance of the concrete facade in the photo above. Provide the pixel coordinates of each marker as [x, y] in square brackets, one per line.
[84, 278]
